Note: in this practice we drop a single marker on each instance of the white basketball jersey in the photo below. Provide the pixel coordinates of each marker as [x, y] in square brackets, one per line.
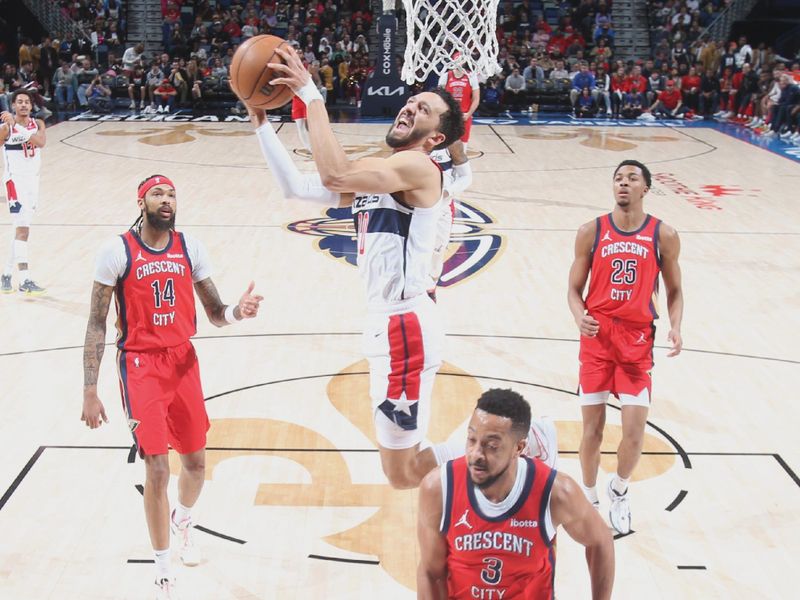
[395, 247]
[21, 158]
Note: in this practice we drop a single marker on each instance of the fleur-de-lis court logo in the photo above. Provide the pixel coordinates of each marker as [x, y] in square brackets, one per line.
[178, 134]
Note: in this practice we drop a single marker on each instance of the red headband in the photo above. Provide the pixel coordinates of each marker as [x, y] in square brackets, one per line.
[151, 182]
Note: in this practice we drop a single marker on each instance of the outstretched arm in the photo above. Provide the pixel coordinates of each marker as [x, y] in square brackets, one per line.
[293, 184]
[404, 171]
[570, 508]
[222, 314]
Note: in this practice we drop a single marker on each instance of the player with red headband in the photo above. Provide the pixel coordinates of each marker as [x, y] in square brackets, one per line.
[151, 269]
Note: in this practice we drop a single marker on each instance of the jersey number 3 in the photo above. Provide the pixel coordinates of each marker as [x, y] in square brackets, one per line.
[624, 271]
[492, 573]
[165, 295]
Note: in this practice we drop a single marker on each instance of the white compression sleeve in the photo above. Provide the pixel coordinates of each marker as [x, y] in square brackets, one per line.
[293, 184]
[462, 179]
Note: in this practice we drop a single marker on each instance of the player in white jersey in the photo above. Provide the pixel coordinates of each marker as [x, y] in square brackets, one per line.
[23, 137]
[396, 203]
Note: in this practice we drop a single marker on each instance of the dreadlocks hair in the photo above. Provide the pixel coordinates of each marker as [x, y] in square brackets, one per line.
[451, 122]
[508, 403]
[635, 163]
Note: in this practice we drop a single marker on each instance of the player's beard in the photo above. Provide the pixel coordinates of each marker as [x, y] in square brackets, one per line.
[411, 138]
[490, 480]
[158, 222]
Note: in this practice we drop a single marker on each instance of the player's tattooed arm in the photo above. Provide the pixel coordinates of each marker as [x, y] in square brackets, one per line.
[247, 308]
[209, 297]
[94, 343]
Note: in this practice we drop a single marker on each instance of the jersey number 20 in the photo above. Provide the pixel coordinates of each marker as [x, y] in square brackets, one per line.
[492, 573]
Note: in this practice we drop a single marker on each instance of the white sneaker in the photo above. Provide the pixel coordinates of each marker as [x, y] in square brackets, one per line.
[165, 589]
[160, 109]
[620, 512]
[189, 553]
[132, 105]
[543, 440]
[166, 108]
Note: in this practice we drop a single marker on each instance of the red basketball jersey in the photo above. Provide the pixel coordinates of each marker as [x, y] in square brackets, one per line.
[155, 296]
[625, 268]
[460, 88]
[509, 556]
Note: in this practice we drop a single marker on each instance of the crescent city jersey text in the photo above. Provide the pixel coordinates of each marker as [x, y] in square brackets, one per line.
[395, 245]
[21, 158]
[625, 268]
[155, 296]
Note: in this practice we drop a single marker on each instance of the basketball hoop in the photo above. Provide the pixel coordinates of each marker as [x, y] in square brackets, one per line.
[437, 29]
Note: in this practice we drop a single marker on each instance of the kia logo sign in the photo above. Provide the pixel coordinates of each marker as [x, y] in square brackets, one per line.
[385, 90]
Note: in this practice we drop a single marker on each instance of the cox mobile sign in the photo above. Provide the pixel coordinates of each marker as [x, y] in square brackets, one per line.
[384, 92]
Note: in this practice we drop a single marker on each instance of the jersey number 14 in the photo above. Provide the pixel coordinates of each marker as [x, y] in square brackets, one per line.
[167, 294]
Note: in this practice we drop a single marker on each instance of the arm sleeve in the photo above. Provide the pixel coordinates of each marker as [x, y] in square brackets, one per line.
[201, 263]
[442, 79]
[111, 262]
[473, 82]
[293, 184]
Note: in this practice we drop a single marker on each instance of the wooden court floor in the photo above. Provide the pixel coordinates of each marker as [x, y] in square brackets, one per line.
[295, 504]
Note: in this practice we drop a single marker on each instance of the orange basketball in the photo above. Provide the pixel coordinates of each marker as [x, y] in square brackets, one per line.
[250, 75]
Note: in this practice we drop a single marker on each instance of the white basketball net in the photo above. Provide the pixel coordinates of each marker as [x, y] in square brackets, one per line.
[436, 29]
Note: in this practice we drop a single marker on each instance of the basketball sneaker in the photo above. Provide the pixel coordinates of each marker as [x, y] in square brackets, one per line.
[29, 288]
[5, 284]
[189, 553]
[543, 441]
[165, 589]
[620, 512]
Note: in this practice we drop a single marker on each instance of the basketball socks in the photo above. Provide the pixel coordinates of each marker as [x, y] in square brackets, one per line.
[620, 485]
[11, 259]
[163, 568]
[462, 178]
[181, 513]
[591, 494]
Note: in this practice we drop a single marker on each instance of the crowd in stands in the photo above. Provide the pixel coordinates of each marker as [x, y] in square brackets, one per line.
[570, 59]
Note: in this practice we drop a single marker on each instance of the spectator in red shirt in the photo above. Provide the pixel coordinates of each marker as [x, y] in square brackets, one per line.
[165, 96]
[637, 86]
[619, 89]
[669, 103]
[690, 88]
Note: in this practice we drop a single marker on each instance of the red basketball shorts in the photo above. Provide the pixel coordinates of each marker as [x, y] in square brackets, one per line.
[298, 109]
[163, 399]
[467, 129]
[618, 361]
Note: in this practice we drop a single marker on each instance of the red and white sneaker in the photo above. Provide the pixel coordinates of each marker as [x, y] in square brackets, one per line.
[543, 441]
[189, 553]
[165, 589]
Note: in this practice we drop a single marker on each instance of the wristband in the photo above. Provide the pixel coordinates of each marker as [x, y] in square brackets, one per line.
[229, 317]
[309, 92]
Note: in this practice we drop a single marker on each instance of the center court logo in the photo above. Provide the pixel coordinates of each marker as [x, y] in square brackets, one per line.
[471, 248]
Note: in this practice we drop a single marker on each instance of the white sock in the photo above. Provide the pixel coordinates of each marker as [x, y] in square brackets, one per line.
[163, 566]
[181, 513]
[12, 262]
[25, 275]
[462, 178]
[620, 485]
[449, 450]
[590, 493]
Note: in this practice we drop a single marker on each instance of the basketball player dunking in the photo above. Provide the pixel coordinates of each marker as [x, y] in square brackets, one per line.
[152, 270]
[624, 250]
[23, 138]
[396, 203]
[487, 521]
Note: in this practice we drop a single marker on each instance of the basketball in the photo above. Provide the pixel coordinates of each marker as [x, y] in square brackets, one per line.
[250, 75]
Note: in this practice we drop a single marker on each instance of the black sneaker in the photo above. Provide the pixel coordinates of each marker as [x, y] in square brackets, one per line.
[5, 284]
[29, 288]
